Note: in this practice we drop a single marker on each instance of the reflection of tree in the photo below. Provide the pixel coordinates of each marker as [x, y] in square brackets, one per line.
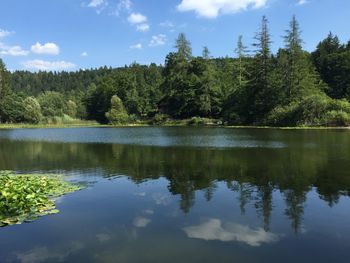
[182, 185]
[295, 207]
[263, 204]
[245, 191]
[253, 174]
[209, 191]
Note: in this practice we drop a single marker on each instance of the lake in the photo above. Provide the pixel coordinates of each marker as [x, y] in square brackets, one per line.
[185, 195]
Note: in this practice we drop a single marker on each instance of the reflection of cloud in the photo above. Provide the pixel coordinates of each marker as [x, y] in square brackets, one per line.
[141, 221]
[161, 199]
[103, 237]
[140, 194]
[149, 212]
[43, 254]
[213, 229]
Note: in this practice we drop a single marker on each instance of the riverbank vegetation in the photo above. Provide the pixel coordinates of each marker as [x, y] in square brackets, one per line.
[291, 87]
[27, 197]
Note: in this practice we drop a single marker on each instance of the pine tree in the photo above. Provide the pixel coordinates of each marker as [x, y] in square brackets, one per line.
[241, 51]
[259, 96]
[206, 53]
[298, 74]
[183, 46]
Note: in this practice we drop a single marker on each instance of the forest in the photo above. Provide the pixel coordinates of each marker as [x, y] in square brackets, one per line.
[291, 87]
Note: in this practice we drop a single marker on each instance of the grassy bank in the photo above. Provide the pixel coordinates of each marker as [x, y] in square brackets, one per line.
[193, 122]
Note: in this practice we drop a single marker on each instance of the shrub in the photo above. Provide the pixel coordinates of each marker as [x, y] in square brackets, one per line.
[199, 121]
[232, 118]
[336, 118]
[160, 118]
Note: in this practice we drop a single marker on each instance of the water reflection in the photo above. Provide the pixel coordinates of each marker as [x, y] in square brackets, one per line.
[160, 204]
[253, 174]
[44, 254]
[213, 229]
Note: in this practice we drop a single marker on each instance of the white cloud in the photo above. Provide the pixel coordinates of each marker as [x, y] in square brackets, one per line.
[167, 24]
[96, 3]
[124, 5]
[158, 40]
[136, 46]
[212, 8]
[142, 27]
[137, 18]
[213, 229]
[48, 65]
[302, 2]
[47, 49]
[12, 50]
[5, 33]
[84, 54]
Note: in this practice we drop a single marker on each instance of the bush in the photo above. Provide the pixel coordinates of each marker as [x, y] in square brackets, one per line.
[337, 118]
[160, 118]
[313, 110]
[283, 115]
[232, 118]
[198, 121]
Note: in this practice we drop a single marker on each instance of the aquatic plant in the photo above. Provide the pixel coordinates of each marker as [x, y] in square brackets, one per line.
[25, 197]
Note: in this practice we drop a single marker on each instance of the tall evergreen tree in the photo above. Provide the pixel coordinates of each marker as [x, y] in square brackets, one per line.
[299, 77]
[206, 53]
[241, 51]
[183, 46]
[259, 97]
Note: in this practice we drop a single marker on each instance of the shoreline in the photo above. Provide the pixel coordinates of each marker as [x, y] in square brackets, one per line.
[4, 126]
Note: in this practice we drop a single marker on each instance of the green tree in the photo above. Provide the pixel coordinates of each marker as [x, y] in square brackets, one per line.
[183, 46]
[32, 110]
[117, 114]
[299, 78]
[71, 109]
[4, 81]
[206, 53]
[332, 61]
[241, 51]
[259, 95]
[52, 104]
[11, 108]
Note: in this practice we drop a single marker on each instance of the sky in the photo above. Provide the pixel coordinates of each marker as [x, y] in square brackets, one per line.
[81, 34]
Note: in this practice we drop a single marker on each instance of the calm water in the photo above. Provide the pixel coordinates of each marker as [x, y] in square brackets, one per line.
[185, 195]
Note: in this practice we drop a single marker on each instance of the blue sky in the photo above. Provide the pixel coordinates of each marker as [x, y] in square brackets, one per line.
[73, 34]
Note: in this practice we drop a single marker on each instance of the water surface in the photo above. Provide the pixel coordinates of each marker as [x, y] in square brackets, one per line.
[185, 195]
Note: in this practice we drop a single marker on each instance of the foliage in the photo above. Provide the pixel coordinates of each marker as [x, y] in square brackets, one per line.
[117, 114]
[32, 110]
[52, 103]
[71, 109]
[26, 197]
[11, 108]
[314, 110]
[160, 118]
[255, 88]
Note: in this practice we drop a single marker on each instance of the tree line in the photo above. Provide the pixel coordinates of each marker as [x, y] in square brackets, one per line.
[288, 88]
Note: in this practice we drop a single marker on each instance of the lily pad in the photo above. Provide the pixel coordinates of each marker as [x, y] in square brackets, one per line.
[26, 197]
